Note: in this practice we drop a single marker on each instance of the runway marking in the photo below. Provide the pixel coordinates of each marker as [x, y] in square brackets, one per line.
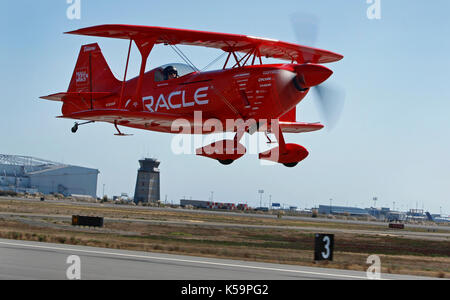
[181, 260]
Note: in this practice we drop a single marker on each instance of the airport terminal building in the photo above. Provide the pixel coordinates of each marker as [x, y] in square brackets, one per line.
[341, 210]
[24, 174]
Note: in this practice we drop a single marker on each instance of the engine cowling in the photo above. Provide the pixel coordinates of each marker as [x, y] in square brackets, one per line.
[309, 75]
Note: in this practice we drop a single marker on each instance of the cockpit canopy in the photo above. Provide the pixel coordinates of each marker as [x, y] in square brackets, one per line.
[182, 69]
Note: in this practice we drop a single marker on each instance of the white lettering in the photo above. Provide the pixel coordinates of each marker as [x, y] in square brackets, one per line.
[161, 97]
[81, 76]
[198, 95]
[186, 104]
[241, 75]
[200, 98]
[170, 100]
[193, 290]
[270, 72]
[148, 105]
[87, 49]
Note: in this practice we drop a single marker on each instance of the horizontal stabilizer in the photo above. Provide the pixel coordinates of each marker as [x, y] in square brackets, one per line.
[77, 96]
[296, 127]
[292, 127]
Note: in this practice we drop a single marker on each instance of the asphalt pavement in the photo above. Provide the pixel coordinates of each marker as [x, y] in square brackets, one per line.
[45, 261]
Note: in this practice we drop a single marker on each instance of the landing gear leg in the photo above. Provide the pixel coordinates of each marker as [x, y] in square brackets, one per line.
[239, 134]
[287, 154]
[276, 130]
[280, 138]
[269, 141]
[119, 133]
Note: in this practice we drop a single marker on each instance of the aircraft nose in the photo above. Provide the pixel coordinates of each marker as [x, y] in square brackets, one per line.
[310, 75]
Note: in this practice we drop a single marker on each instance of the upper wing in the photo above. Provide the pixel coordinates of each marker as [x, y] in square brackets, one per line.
[223, 41]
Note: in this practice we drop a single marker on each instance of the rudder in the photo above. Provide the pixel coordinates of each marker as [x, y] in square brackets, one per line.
[92, 73]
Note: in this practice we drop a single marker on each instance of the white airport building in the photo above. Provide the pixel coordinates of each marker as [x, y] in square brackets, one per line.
[24, 174]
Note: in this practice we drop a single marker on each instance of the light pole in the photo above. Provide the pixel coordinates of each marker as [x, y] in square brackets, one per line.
[331, 206]
[261, 192]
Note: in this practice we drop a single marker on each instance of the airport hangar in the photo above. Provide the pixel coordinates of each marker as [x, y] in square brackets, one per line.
[24, 174]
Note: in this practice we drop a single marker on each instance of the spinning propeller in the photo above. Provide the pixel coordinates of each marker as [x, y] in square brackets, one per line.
[330, 98]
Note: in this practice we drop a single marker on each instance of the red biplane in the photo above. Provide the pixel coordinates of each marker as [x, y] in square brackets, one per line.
[244, 89]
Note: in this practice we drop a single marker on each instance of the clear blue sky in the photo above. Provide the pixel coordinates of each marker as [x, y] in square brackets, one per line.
[392, 140]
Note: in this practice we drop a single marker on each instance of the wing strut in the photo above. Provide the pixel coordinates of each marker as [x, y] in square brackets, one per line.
[145, 47]
[241, 62]
[125, 75]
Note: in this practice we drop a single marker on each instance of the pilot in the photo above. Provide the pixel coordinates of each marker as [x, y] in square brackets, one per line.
[170, 72]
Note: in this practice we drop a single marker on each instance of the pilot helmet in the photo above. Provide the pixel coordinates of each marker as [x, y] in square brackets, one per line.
[170, 70]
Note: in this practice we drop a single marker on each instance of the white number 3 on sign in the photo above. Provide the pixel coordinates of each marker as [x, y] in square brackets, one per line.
[326, 254]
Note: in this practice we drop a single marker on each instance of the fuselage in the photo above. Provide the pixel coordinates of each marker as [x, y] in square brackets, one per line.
[261, 92]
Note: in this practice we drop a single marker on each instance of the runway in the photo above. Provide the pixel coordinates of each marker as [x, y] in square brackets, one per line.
[23, 260]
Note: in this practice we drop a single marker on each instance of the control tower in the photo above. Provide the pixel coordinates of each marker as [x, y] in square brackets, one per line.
[147, 183]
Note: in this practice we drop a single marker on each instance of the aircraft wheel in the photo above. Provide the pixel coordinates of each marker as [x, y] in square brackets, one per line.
[226, 162]
[75, 128]
[291, 165]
